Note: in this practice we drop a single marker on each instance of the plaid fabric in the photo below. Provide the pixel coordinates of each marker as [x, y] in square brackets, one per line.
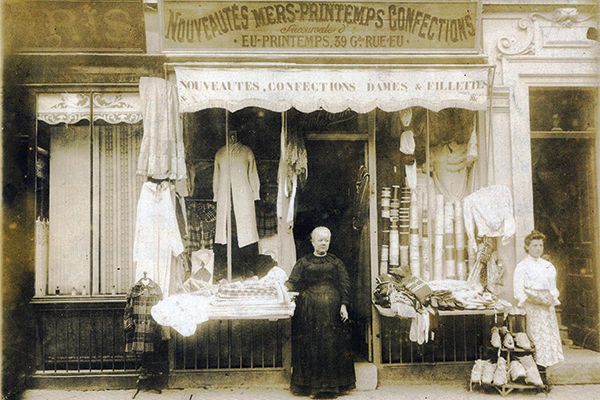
[142, 333]
[266, 219]
[202, 217]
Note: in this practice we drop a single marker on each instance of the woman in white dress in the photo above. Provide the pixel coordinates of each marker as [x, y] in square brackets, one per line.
[536, 292]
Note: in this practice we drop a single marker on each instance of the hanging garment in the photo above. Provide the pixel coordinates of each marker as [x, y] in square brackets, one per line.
[407, 147]
[162, 153]
[266, 219]
[360, 204]
[531, 277]
[142, 333]
[426, 191]
[285, 209]
[201, 217]
[450, 164]
[269, 246]
[157, 239]
[491, 210]
[235, 176]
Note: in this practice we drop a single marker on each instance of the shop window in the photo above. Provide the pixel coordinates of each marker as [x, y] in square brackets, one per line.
[86, 192]
[423, 230]
[238, 223]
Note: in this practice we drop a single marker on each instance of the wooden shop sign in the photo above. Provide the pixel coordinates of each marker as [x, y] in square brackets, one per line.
[189, 26]
[75, 25]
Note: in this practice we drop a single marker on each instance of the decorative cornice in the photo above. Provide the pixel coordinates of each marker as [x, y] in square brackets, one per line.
[565, 17]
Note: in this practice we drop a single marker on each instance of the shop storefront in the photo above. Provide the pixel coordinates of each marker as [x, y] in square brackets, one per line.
[376, 120]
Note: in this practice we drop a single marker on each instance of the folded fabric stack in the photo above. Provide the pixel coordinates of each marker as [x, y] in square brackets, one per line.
[246, 292]
[386, 285]
[452, 294]
[390, 293]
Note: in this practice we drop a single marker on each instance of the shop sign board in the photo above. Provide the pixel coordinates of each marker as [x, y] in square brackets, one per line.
[75, 25]
[331, 89]
[196, 26]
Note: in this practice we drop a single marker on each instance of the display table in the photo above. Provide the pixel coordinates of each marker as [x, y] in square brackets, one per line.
[270, 312]
[388, 312]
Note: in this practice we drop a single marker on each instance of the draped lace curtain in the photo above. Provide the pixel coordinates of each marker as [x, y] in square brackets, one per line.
[119, 188]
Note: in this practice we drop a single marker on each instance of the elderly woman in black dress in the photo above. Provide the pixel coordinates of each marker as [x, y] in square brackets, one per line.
[321, 359]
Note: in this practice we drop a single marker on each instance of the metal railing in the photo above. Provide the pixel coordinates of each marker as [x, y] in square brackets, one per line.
[78, 337]
[86, 339]
[457, 338]
[233, 344]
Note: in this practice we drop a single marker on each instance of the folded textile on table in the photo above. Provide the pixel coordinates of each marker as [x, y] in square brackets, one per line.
[452, 294]
[245, 293]
[182, 312]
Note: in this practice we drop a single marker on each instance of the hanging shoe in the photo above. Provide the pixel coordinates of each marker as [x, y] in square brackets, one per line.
[508, 342]
[495, 337]
[522, 341]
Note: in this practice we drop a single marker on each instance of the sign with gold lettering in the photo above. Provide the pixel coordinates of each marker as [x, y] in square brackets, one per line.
[188, 26]
[75, 25]
[331, 89]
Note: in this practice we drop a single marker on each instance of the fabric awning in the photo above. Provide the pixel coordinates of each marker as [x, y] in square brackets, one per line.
[333, 90]
[70, 108]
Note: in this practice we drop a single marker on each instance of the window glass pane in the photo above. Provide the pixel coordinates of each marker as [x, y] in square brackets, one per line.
[254, 165]
[204, 135]
[562, 109]
[422, 230]
[247, 191]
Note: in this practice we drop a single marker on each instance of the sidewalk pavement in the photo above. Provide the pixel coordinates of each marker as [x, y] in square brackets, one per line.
[391, 392]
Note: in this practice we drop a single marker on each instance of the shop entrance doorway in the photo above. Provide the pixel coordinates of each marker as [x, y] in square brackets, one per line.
[565, 203]
[327, 200]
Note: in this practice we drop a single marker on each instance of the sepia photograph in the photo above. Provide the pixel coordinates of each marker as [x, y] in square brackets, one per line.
[266, 199]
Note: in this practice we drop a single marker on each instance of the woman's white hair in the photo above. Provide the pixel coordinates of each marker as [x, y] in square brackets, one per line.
[319, 229]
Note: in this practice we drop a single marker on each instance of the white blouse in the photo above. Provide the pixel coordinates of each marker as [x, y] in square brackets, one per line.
[534, 273]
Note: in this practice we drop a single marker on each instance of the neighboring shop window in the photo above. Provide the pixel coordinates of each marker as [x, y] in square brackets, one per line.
[563, 123]
[86, 192]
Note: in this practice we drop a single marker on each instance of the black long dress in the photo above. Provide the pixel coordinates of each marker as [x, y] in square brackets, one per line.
[321, 357]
